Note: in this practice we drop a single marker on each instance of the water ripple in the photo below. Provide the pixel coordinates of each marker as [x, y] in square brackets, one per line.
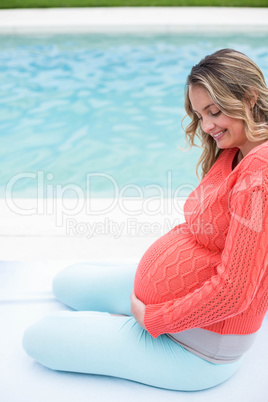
[72, 105]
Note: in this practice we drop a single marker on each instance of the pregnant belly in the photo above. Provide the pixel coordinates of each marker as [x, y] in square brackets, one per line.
[174, 266]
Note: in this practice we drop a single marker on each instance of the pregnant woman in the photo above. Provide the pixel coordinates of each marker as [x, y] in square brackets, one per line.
[183, 318]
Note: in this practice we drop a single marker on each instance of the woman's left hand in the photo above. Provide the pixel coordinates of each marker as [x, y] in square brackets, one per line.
[137, 309]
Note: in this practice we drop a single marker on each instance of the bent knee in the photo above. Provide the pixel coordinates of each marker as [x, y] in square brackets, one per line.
[40, 342]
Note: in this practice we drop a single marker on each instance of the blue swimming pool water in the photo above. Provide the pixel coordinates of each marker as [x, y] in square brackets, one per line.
[110, 105]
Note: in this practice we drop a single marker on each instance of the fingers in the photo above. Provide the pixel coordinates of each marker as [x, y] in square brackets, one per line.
[134, 304]
[132, 295]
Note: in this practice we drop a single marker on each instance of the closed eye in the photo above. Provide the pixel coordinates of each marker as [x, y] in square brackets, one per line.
[216, 114]
[212, 114]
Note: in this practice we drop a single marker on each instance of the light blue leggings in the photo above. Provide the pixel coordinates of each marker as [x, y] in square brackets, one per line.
[96, 342]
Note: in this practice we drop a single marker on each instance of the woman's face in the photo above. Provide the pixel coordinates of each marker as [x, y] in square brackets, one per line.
[228, 132]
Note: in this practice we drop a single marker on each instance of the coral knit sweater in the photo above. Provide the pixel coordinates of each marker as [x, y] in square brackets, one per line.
[211, 271]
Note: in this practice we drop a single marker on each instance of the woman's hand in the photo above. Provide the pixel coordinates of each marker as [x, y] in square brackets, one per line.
[137, 309]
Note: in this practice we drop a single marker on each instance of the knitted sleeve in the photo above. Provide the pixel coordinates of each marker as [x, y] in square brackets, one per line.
[242, 266]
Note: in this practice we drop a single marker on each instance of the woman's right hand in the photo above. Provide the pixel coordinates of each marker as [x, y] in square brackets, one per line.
[137, 309]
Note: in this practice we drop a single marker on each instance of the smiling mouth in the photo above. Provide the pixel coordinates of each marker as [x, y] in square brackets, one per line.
[219, 135]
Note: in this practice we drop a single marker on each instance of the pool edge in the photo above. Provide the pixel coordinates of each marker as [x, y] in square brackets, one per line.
[134, 20]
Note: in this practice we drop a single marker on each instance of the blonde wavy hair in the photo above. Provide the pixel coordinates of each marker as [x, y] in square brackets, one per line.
[233, 82]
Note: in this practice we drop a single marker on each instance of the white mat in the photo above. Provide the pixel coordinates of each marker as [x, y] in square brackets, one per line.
[25, 296]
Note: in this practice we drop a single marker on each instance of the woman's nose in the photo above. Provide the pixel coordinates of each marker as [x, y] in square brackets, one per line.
[207, 125]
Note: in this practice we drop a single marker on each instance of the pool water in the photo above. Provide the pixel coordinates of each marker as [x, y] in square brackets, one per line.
[101, 111]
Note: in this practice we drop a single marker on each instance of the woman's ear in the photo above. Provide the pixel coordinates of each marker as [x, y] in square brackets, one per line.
[252, 96]
[251, 102]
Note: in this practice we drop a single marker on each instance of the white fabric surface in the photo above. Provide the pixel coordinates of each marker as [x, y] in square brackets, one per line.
[25, 296]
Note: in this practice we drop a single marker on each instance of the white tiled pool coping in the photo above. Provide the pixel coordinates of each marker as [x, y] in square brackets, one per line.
[120, 229]
[134, 19]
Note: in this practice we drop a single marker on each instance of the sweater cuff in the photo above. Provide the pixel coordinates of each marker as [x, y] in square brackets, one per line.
[154, 321]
